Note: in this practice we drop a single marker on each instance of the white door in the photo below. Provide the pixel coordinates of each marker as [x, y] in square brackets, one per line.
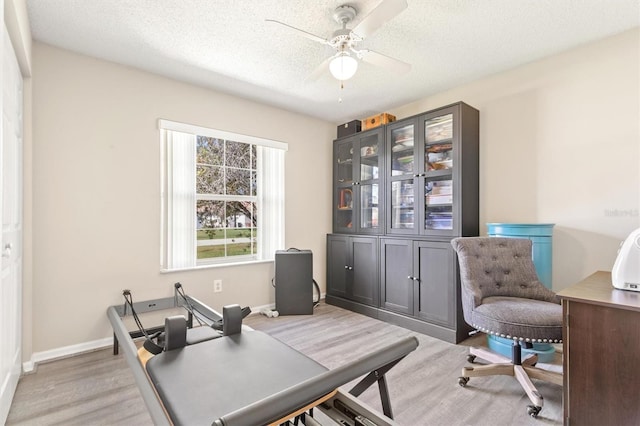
[11, 237]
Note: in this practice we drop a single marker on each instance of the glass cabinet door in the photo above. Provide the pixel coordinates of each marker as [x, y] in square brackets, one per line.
[344, 168]
[402, 204]
[438, 204]
[369, 208]
[403, 167]
[402, 151]
[368, 182]
[439, 167]
[439, 129]
[357, 179]
[344, 158]
[421, 177]
[369, 159]
[344, 214]
[403, 173]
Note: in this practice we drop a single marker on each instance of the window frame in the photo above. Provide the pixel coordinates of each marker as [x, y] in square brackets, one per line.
[225, 198]
[167, 174]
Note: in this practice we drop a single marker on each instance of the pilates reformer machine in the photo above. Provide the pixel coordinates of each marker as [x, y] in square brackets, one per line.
[224, 373]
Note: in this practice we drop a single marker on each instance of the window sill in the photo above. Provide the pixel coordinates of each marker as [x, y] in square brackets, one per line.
[215, 265]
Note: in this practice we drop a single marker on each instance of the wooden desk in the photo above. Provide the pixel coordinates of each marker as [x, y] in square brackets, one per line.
[601, 360]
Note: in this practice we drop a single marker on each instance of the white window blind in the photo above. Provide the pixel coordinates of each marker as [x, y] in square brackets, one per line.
[270, 202]
[181, 199]
[220, 205]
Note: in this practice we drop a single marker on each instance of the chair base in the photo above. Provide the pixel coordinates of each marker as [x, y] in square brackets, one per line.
[501, 365]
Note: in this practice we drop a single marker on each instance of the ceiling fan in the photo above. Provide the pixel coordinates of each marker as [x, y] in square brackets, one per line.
[343, 64]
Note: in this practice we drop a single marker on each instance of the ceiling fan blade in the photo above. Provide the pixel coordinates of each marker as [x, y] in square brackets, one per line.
[394, 65]
[302, 32]
[320, 70]
[384, 12]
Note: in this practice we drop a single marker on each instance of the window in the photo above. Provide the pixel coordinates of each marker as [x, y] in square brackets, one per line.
[222, 197]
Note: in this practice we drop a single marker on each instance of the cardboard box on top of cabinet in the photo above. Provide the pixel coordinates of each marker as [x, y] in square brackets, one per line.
[377, 120]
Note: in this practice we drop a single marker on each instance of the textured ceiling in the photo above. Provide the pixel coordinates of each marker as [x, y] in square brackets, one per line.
[227, 45]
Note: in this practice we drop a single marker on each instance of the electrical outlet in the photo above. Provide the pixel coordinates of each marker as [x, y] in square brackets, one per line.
[217, 286]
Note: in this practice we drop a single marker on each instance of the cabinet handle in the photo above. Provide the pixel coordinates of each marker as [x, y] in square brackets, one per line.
[410, 277]
[346, 267]
[351, 268]
[413, 278]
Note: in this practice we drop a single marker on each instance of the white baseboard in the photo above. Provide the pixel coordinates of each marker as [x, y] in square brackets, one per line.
[272, 306]
[258, 309]
[64, 352]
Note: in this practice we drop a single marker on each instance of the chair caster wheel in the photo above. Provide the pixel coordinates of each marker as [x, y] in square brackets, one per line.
[471, 358]
[533, 410]
[462, 381]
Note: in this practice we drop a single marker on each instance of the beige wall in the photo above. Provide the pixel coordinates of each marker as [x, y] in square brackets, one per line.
[96, 183]
[560, 143]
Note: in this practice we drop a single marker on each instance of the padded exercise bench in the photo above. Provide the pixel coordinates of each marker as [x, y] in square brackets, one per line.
[246, 377]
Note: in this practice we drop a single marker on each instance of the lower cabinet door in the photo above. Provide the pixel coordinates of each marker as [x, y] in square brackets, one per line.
[352, 268]
[364, 287]
[396, 287]
[434, 296]
[338, 264]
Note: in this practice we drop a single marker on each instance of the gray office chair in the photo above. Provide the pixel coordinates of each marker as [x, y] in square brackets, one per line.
[501, 295]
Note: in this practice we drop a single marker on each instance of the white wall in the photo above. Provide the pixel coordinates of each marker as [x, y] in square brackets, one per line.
[560, 143]
[96, 191]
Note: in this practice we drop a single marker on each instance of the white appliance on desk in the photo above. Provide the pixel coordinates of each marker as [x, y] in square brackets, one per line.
[626, 270]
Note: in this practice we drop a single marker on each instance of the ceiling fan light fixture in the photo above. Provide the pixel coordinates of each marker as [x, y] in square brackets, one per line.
[343, 66]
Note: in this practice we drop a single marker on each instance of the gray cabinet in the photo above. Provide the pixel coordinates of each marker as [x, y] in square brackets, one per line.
[413, 184]
[352, 268]
[358, 179]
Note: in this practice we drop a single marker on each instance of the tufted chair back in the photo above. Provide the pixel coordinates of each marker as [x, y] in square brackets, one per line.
[493, 266]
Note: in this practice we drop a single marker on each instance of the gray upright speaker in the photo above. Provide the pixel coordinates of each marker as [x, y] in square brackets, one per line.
[294, 282]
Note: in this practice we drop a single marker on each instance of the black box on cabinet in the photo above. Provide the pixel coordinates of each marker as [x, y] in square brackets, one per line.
[349, 128]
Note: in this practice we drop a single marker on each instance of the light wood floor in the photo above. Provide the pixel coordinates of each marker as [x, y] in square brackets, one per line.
[97, 388]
